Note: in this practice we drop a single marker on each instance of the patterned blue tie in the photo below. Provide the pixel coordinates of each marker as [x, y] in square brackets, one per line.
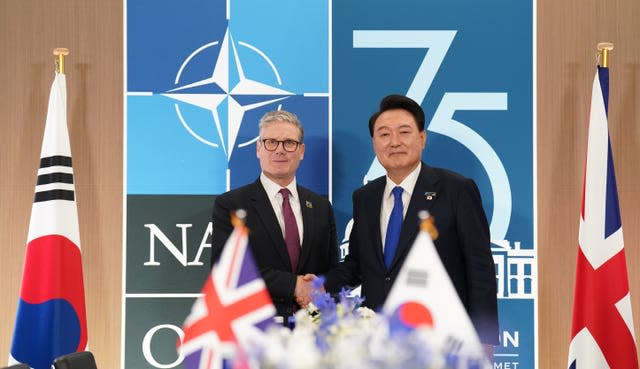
[394, 227]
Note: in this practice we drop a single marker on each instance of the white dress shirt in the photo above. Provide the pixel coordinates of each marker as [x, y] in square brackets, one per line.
[408, 184]
[275, 197]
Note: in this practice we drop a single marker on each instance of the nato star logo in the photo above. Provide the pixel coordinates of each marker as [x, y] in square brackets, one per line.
[192, 114]
[228, 85]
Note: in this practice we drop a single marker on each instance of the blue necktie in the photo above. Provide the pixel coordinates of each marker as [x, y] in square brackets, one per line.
[394, 227]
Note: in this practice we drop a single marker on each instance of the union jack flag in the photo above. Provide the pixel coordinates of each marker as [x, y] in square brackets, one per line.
[602, 330]
[234, 308]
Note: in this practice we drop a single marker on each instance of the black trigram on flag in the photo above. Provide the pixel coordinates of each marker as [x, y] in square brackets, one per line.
[55, 179]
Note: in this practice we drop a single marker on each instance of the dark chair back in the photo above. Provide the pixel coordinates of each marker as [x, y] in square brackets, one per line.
[17, 366]
[76, 360]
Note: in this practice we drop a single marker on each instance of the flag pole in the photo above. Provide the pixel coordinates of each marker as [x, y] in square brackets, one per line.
[238, 218]
[427, 224]
[603, 53]
[60, 53]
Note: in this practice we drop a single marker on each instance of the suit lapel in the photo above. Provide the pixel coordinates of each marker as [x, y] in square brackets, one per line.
[427, 183]
[309, 224]
[262, 206]
[373, 205]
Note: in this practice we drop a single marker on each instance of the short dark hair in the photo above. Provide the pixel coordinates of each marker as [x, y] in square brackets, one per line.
[392, 102]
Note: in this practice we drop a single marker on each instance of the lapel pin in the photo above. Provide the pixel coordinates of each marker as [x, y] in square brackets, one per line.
[309, 204]
[430, 195]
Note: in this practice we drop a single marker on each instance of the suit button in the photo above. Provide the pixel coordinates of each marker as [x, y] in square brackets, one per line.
[387, 279]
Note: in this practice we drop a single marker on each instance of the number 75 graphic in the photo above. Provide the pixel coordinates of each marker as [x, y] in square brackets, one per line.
[437, 44]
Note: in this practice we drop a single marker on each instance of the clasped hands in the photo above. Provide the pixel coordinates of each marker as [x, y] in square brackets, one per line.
[304, 287]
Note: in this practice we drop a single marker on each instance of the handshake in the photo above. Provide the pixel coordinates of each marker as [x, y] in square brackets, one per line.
[304, 289]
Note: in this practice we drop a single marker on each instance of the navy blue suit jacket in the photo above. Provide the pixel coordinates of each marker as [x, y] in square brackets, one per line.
[463, 245]
[319, 246]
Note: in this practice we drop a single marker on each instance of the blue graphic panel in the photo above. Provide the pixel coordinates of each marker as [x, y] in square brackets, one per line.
[479, 118]
[294, 34]
[200, 76]
[313, 113]
[160, 34]
[516, 335]
[362, 75]
[164, 158]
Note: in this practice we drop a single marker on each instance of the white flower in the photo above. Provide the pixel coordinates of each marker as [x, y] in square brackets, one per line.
[343, 335]
[365, 312]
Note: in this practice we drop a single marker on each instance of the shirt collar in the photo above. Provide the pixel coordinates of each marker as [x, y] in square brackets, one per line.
[408, 184]
[273, 188]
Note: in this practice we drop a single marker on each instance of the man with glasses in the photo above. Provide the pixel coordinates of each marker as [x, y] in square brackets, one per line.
[292, 230]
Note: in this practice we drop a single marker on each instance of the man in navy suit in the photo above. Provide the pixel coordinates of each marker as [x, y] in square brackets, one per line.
[398, 138]
[291, 233]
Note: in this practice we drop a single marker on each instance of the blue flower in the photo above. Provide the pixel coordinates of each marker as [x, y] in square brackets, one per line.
[342, 334]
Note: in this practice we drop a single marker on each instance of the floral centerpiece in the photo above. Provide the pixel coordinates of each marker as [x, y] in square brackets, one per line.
[345, 335]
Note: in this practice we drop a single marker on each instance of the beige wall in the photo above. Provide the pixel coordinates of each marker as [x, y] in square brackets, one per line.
[567, 32]
[92, 30]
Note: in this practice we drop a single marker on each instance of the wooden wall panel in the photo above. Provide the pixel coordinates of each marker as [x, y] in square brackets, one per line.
[567, 32]
[92, 30]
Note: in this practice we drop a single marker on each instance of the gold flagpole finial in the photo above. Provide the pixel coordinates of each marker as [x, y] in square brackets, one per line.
[60, 53]
[239, 221]
[426, 224]
[603, 53]
[238, 217]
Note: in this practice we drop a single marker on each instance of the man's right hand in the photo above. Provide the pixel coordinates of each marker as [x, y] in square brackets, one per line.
[304, 288]
[302, 293]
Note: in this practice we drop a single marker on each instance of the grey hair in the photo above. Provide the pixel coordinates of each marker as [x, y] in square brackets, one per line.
[280, 116]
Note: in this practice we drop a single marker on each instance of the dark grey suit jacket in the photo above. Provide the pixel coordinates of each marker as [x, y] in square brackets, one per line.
[319, 246]
[463, 245]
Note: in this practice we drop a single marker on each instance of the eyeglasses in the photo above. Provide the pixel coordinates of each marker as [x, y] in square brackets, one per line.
[272, 144]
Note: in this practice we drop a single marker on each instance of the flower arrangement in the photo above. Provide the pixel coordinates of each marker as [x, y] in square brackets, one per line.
[345, 335]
